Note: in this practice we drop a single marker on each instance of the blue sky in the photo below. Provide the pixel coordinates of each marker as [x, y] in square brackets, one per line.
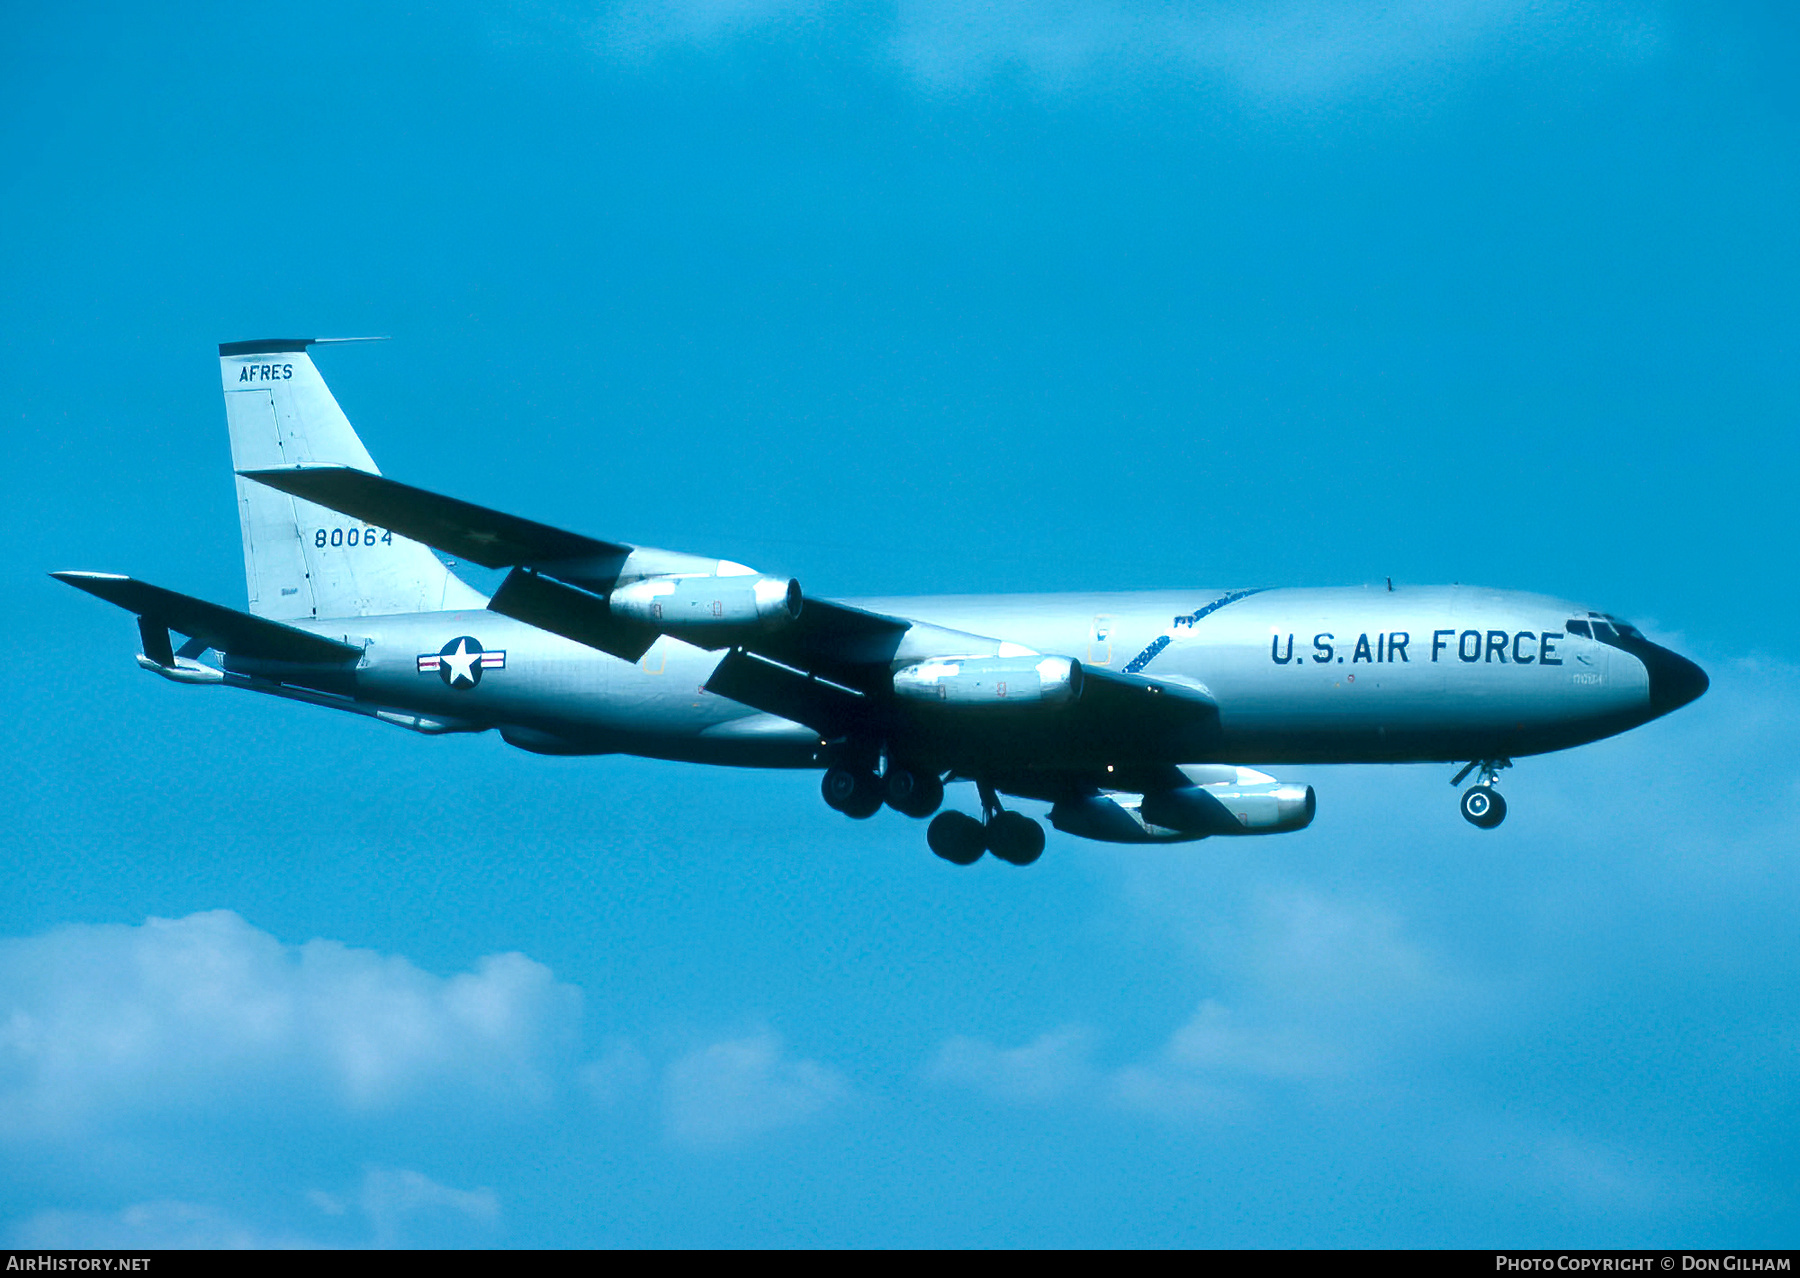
[900, 299]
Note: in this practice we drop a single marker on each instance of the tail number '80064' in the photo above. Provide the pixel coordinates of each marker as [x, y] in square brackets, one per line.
[352, 537]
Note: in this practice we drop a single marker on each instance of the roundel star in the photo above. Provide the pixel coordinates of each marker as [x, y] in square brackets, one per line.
[461, 667]
[460, 662]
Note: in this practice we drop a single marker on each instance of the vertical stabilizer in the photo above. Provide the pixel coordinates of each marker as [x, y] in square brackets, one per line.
[300, 560]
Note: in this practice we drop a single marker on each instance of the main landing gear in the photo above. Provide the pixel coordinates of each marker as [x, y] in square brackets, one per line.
[856, 792]
[859, 793]
[1482, 805]
[1012, 836]
[956, 836]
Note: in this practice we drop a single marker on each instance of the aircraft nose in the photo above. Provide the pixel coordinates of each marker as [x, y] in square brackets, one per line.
[1674, 680]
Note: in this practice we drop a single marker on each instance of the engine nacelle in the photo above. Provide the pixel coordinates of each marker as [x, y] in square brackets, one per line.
[990, 681]
[1221, 800]
[708, 603]
[1263, 807]
[1109, 818]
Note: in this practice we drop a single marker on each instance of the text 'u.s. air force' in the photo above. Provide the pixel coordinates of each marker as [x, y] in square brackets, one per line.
[1506, 647]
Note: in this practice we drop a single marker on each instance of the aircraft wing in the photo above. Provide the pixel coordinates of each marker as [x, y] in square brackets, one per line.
[482, 536]
[827, 636]
[829, 667]
[561, 580]
[1118, 716]
[227, 630]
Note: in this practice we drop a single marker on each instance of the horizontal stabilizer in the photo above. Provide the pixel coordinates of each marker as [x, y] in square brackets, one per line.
[224, 629]
[482, 536]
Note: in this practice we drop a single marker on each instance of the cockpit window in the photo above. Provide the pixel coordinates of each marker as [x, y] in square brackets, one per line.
[1605, 628]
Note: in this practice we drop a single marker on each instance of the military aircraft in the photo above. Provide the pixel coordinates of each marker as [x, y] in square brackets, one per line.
[1131, 714]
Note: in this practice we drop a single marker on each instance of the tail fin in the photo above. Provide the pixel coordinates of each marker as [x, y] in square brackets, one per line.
[300, 560]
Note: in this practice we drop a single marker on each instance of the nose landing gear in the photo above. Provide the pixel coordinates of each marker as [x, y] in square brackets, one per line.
[1482, 805]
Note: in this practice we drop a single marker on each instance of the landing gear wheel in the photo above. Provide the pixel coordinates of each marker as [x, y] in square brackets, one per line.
[852, 791]
[957, 837]
[915, 794]
[1015, 838]
[1482, 807]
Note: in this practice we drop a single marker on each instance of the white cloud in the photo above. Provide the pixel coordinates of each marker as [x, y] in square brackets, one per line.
[165, 1224]
[1595, 1174]
[1267, 48]
[398, 1202]
[1215, 1064]
[392, 1207]
[734, 1090]
[1296, 50]
[1211, 1064]
[1310, 947]
[1048, 1068]
[1325, 990]
[204, 1011]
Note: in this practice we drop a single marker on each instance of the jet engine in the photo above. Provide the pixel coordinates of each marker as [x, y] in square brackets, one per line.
[1220, 800]
[708, 604]
[992, 681]
[1271, 807]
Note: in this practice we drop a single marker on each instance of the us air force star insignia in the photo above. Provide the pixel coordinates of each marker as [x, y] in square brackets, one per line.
[460, 662]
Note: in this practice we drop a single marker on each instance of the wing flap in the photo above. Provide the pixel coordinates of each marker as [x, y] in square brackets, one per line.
[835, 640]
[225, 629]
[570, 612]
[1133, 716]
[826, 708]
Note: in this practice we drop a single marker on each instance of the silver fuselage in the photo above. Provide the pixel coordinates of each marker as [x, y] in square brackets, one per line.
[1355, 675]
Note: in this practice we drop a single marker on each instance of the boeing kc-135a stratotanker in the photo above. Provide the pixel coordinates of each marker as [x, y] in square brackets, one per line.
[1132, 715]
